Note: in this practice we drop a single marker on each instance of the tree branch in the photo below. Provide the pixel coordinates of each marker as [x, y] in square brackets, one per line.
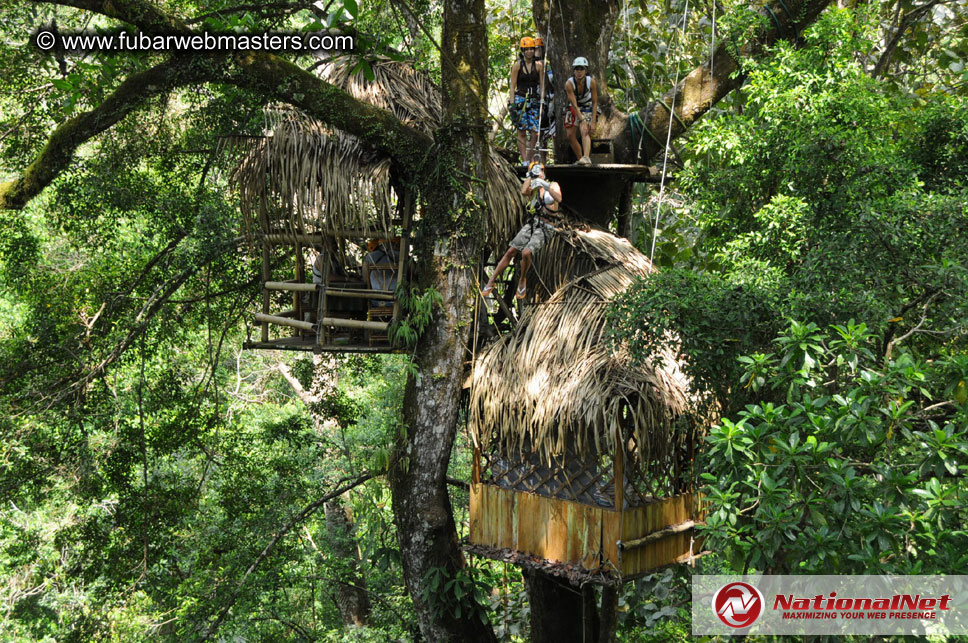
[140, 13]
[908, 21]
[68, 136]
[705, 86]
[298, 518]
[271, 76]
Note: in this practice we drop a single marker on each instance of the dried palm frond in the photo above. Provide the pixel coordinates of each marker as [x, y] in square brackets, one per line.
[556, 385]
[306, 177]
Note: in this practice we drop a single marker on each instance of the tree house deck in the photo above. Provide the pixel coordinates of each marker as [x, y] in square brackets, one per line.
[618, 545]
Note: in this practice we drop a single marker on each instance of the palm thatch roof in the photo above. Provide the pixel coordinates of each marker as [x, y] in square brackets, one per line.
[555, 385]
[307, 177]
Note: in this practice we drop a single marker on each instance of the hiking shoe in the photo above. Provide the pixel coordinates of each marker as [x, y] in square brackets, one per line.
[583, 161]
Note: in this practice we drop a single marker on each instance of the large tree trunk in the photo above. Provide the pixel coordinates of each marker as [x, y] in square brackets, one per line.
[447, 247]
[587, 31]
[561, 611]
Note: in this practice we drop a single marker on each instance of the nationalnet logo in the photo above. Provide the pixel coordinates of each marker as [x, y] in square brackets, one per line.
[738, 604]
[837, 605]
[898, 606]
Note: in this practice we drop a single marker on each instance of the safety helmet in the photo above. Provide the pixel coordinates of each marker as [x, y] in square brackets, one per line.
[532, 165]
[581, 61]
[527, 42]
[538, 41]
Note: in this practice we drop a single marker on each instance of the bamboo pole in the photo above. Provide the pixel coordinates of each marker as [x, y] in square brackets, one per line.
[382, 295]
[266, 275]
[283, 321]
[290, 286]
[310, 239]
[357, 293]
[353, 323]
[658, 535]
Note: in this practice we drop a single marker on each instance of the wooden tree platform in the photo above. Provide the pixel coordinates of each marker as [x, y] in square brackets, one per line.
[593, 192]
[568, 171]
[608, 544]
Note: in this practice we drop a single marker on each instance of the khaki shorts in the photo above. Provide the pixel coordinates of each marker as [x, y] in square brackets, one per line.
[533, 235]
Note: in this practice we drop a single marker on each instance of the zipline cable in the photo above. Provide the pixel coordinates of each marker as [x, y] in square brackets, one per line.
[665, 158]
[544, 77]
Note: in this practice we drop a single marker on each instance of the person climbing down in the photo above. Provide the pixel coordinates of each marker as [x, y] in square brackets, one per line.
[581, 115]
[536, 232]
[523, 105]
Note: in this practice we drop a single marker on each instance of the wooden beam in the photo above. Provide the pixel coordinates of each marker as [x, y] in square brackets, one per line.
[356, 293]
[314, 238]
[658, 535]
[353, 323]
[283, 321]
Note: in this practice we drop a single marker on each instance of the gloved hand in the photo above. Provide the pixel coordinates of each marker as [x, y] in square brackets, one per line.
[540, 183]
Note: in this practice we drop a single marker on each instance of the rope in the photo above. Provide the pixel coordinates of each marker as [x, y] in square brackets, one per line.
[793, 23]
[669, 109]
[638, 124]
[544, 77]
[665, 159]
[773, 15]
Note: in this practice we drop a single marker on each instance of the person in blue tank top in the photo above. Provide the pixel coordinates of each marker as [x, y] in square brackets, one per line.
[524, 101]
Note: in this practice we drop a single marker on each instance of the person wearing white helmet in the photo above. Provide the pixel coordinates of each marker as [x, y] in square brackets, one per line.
[581, 115]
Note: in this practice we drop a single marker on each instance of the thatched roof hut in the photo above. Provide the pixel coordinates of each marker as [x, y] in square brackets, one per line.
[555, 384]
[583, 463]
[306, 177]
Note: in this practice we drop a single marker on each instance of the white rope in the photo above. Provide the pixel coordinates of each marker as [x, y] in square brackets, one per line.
[665, 158]
[544, 77]
[628, 57]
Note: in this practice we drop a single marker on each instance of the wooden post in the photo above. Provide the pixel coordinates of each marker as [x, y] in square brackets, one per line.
[404, 246]
[321, 301]
[266, 276]
[300, 278]
[619, 471]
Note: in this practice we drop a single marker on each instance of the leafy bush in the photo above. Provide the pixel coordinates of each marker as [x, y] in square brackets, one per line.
[859, 467]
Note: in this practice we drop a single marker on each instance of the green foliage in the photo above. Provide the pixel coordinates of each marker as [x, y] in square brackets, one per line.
[811, 204]
[419, 308]
[458, 593]
[857, 468]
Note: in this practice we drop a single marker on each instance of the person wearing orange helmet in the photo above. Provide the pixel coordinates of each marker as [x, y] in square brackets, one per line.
[524, 101]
